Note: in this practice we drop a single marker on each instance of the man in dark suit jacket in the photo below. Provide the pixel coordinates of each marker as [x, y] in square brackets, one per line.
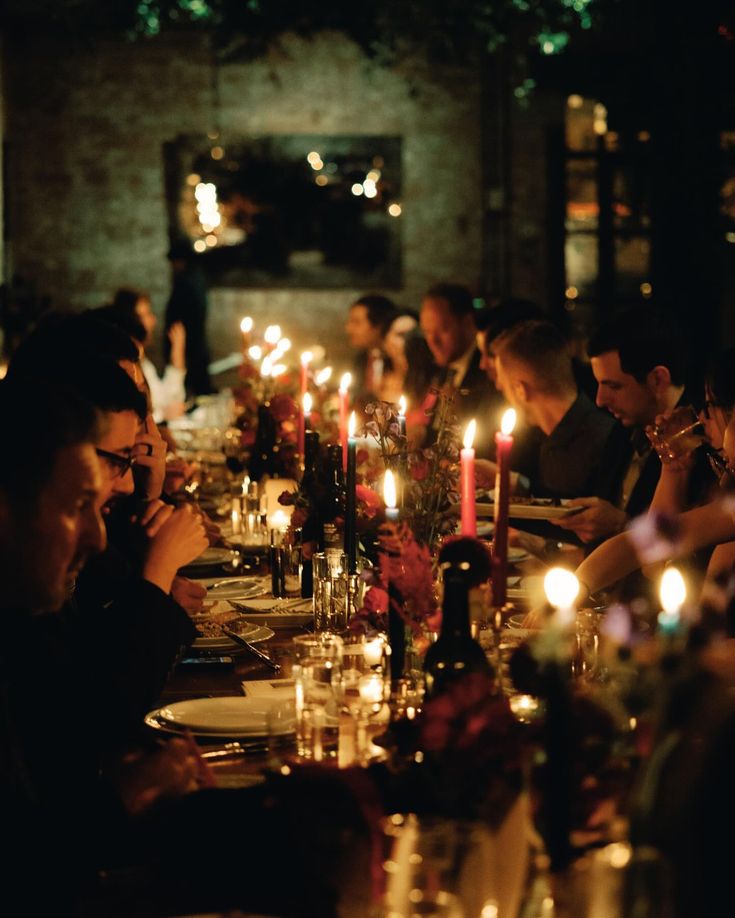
[448, 323]
[639, 361]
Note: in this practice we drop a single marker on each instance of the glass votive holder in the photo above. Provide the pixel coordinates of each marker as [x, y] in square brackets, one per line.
[317, 674]
[321, 591]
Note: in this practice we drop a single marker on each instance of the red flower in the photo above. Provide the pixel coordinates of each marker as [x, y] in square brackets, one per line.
[371, 502]
[419, 469]
[376, 600]
[248, 437]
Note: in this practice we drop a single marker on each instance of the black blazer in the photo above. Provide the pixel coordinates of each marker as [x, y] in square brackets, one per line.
[478, 398]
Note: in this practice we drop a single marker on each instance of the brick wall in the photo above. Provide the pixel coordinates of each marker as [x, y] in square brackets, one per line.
[86, 127]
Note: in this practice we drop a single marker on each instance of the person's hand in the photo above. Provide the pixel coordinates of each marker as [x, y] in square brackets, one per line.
[177, 339]
[485, 472]
[150, 460]
[598, 520]
[153, 516]
[188, 594]
[178, 541]
[212, 530]
[172, 771]
[679, 464]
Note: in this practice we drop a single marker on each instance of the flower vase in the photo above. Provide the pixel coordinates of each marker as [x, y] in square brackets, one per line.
[456, 867]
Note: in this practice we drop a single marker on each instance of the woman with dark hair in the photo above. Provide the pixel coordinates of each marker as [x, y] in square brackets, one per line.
[168, 393]
[409, 364]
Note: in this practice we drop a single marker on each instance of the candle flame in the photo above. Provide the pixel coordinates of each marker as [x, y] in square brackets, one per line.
[255, 352]
[283, 345]
[266, 366]
[323, 376]
[561, 588]
[246, 484]
[278, 370]
[279, 520]
[402, 405]
[306, 357]
[389, 490]
[307, 402]
[508, 422]
[673, 591]
[345, 382]
[272, 334]
[469, 434]
[352, 425]
[246, 325]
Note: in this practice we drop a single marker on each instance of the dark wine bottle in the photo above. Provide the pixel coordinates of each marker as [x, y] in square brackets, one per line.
[334, 482]
[262, 458]
[312, 532]
[456, 653]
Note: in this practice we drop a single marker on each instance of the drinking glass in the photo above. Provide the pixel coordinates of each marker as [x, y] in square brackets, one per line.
[291, 568]
[317, 673]
[677, 434]
[585, 655]
[322, 591]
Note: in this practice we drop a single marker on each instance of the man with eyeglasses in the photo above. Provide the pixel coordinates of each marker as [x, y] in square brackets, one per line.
[124, 605]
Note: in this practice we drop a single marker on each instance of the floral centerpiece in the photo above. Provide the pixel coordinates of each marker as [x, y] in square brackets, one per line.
[463, 756]
[269, 407]
[429, 474]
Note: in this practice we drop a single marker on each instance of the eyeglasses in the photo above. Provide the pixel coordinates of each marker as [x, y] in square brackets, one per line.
[724, 472]
[121, 465]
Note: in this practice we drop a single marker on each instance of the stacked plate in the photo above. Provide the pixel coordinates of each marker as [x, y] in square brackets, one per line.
[228, 717]
[238, 588]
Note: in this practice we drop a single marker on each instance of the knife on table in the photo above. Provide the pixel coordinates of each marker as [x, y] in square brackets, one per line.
[263, 657]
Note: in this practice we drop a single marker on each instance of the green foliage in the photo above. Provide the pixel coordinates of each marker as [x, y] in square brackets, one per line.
[446, 30]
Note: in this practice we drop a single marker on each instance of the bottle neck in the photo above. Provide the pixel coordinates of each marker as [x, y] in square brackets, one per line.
[455, 608]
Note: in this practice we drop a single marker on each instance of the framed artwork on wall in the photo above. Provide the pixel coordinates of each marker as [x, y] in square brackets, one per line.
[291, 210]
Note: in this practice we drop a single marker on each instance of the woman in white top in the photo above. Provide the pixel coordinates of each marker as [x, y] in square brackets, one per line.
[167, 392]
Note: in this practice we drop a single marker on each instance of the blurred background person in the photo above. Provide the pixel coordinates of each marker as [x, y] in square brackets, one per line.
[368, 321]
[188, 304]
[447, 320]
[168, 392]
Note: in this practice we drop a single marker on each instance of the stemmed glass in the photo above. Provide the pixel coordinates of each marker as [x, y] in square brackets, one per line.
[365, 686]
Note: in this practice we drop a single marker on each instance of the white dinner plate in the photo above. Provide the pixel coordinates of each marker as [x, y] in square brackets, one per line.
[517, 554]
[211, 556]
[539, 509]
[229, 716]
[261, 633]
[237, 588]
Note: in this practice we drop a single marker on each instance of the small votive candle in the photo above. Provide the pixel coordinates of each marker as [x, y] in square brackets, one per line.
[279, 521]
[373, 652]
[524, 707]
[371, 689]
